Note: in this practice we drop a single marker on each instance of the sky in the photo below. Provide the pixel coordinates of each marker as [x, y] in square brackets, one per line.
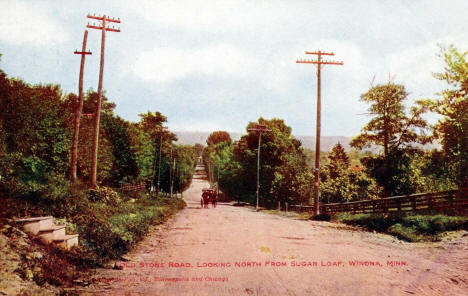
[217, 65]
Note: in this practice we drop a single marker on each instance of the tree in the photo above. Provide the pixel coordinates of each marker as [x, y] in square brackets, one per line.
[283, 171]
[338, 160]
[340, 183]
[218, 137]
[396, 132]
[124, 166]
[148, 142]
[390, 127]
[452, 105]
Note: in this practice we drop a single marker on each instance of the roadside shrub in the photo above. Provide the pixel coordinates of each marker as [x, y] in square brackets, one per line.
[377, 222]
[435, 224]
[104, 194]
[107, 231]
[408, 227]
[406, 233]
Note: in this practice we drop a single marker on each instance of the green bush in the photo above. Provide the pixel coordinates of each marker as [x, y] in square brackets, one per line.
[104, 194]
[108, 231]
[406, 233]
[408, 227]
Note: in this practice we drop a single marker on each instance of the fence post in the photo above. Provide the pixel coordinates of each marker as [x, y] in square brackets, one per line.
[286, 203]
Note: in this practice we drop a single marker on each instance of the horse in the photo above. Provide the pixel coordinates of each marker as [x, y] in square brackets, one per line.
[214, 199]
[205, 199]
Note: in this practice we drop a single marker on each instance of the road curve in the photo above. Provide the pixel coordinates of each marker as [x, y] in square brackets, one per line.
[236, 251]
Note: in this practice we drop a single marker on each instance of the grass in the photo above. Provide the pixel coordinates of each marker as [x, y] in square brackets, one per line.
[107, 232]
[408, 227]
[292, 214]
[108, 223]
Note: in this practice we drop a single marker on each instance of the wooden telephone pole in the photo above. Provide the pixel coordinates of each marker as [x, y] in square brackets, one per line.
[97, 114]
[161, 131]
[79, 109]
[319, 62]
[260, 128]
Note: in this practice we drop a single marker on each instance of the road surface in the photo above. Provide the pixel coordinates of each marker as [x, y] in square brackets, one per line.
[231, 250]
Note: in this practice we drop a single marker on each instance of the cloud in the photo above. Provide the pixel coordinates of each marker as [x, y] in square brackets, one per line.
[22, 23]
[163, 64]
[414, 66]
[202, 15]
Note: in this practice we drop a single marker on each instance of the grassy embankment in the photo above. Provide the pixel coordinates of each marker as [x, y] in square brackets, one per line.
[405, 226]
[108, 223]
[408, 227]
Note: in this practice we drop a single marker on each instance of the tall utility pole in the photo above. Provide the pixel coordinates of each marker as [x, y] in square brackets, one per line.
[79, 109]
[97, 113]
[173, 174]
[217, 184]
[181, 175]
[319, 64]
[161, 131]
[260, 128]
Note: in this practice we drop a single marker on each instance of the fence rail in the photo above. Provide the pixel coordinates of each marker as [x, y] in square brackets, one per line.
[133, 187]
[435, 201]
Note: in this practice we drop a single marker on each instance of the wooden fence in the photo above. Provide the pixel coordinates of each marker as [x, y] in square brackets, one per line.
[456, 200]
[133, 187]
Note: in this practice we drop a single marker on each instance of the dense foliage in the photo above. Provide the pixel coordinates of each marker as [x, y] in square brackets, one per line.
[35, 142]
[403, 167]
[341, 182]
[452, 106]
[218, 137]
[284, 173]
[36, 124]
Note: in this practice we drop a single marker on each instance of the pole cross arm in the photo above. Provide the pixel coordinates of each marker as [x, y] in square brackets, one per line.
[319, 62]
[100, 18]
[82, 52]
[320, 53]
[100, 28]
[259, 128]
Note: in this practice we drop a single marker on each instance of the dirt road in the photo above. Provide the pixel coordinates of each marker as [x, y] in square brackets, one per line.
[236, 251]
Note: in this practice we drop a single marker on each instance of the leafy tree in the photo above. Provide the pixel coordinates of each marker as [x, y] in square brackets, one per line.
[34, 124]
[452, 106]
[396, 132]
[340, 183]
[218, 137]
[391, 128]
[394, 172]
[124, 166]
[338, 160]
[283, 172]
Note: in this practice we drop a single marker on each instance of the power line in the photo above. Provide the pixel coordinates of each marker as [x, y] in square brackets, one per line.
[319, 62]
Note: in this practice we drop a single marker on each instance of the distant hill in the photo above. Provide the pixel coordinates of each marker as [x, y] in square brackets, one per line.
[192, 138]
[327, 143]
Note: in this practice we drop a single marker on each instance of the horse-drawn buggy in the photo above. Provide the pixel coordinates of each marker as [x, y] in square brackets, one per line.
[209, 195]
